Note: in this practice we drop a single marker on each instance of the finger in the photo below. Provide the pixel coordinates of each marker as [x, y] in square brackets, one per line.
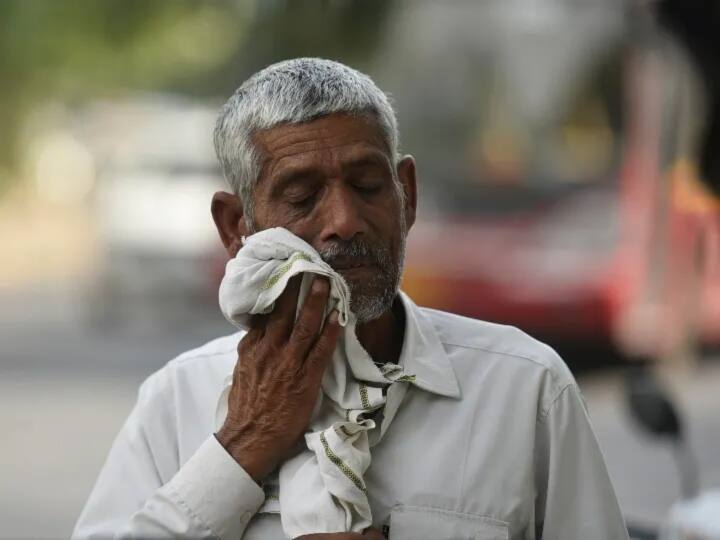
[280, 320]
[256, 327]
[373, 534]
[308, 323]
[321, 353]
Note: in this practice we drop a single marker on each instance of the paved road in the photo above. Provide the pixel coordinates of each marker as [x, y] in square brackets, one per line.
[643, 470]
[65, 388]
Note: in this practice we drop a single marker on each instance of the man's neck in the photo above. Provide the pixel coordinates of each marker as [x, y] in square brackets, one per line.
[383, 337]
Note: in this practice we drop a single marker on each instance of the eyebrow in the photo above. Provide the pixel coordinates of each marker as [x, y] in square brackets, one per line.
[369, 159]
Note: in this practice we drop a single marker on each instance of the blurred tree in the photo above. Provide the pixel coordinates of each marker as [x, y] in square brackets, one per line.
[69, 52]
[349, 31]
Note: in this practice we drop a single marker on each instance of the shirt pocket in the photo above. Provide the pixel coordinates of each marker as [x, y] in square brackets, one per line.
[420, 522]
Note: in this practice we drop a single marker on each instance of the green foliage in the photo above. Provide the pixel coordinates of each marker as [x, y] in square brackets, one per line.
[70, 51]
[350, 31]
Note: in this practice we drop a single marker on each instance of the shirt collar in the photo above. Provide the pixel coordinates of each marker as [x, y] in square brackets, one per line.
[423, 354]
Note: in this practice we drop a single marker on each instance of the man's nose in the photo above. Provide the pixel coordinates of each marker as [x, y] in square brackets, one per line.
[342, 216]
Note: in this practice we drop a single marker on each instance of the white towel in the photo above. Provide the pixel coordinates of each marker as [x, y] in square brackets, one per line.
[322, 488]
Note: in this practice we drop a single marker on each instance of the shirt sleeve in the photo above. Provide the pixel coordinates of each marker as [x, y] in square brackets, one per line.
[209, 496]
[575, 498]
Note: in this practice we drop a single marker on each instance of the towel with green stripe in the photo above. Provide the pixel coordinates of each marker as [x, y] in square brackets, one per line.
[321, 490]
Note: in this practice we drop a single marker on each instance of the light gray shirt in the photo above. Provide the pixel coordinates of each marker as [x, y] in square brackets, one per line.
[493, 442]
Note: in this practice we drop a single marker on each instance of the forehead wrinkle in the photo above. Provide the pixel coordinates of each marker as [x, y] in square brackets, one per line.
[303, 159]
[279, 138]
[282, 146]
[368, 156]
[280, 143]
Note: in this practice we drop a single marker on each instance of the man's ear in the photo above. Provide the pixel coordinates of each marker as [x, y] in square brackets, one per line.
[227, 212]
[408, 179]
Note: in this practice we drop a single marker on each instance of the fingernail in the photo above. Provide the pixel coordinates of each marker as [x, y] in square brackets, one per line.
[333, 316]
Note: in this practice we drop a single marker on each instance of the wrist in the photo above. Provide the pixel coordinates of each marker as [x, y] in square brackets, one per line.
[253, 462]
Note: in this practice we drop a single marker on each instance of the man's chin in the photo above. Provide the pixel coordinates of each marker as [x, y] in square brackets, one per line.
[370, 307]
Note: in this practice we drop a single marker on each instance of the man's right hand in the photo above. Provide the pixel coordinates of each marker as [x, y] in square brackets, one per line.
[277, 379]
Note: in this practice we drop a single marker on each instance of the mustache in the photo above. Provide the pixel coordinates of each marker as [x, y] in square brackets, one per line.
[356, 249]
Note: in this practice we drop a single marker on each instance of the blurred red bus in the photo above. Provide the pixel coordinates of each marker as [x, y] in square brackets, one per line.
[625, 254]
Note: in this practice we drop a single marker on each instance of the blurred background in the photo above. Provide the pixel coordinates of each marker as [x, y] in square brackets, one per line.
[559, 193]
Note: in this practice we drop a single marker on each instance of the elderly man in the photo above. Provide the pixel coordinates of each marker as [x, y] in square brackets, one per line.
[489, 437]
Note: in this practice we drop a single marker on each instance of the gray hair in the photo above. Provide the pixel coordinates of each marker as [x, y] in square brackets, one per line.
[292, 91]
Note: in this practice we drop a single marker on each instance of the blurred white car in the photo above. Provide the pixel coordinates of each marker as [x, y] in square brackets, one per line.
[156, 175]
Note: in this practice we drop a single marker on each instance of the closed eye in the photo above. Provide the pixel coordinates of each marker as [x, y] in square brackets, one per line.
[368, 190]
[301, 202]
[369, 183]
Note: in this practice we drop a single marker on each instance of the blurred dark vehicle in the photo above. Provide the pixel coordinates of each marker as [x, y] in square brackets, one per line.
[562, 196]
[696, 24]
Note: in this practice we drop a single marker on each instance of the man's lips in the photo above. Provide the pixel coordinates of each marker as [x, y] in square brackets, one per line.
[349, 264]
